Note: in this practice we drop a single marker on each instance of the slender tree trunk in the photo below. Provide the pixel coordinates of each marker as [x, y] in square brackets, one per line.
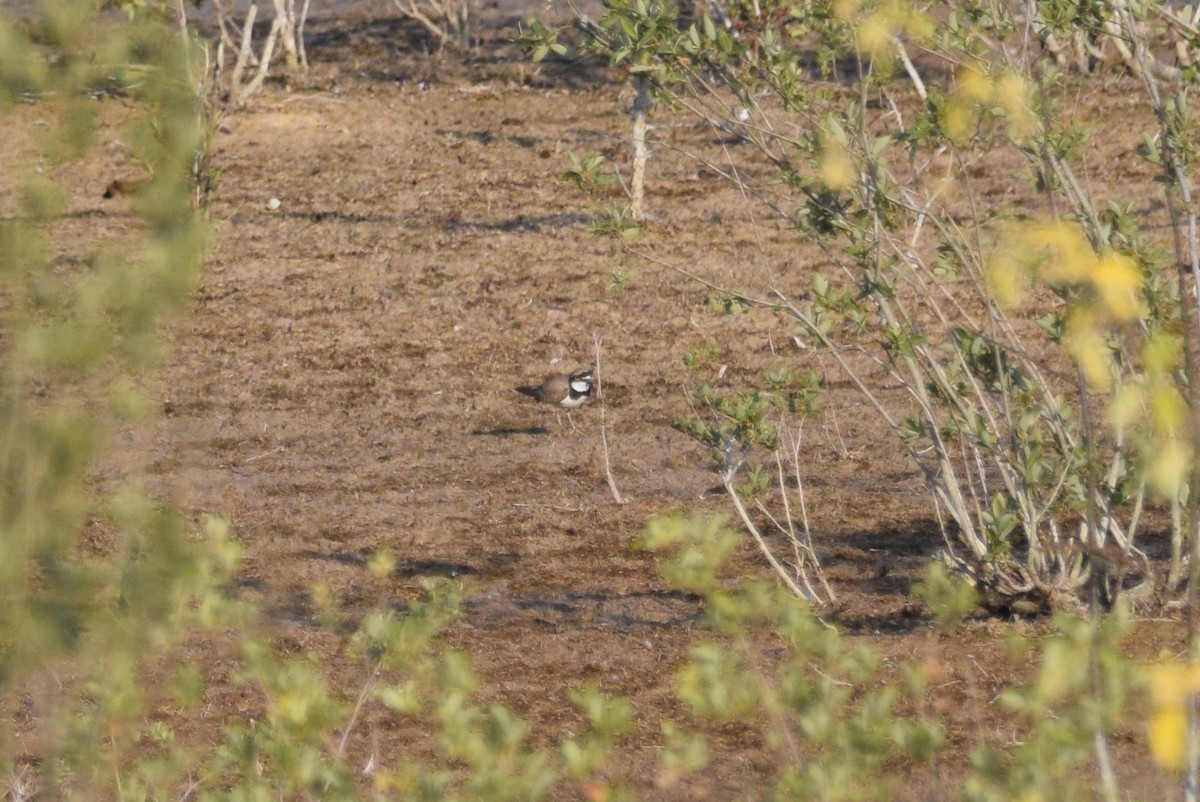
[641, 108]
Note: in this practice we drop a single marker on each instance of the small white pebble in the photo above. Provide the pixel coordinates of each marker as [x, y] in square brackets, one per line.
[273, 204]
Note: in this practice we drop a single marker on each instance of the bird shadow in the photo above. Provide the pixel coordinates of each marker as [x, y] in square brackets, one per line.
[509, 431]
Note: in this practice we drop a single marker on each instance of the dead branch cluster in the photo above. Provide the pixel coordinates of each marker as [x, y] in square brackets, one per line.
[236, 42]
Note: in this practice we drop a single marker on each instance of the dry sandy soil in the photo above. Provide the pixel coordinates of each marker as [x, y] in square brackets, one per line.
[344, 383]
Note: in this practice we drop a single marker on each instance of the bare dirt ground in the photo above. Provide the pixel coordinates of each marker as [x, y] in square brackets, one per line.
[344, 383]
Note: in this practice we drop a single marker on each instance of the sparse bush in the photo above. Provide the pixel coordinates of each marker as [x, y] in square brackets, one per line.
[732, 426]
[231, 69]
[448, 20]
[234, 54]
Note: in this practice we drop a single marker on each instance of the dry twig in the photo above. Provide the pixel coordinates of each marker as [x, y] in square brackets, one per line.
[612, 483]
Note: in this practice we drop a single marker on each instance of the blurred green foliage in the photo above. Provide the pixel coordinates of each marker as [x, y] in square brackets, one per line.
[80, 321]
[818, 702]
[836, 715]
[96, 575]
